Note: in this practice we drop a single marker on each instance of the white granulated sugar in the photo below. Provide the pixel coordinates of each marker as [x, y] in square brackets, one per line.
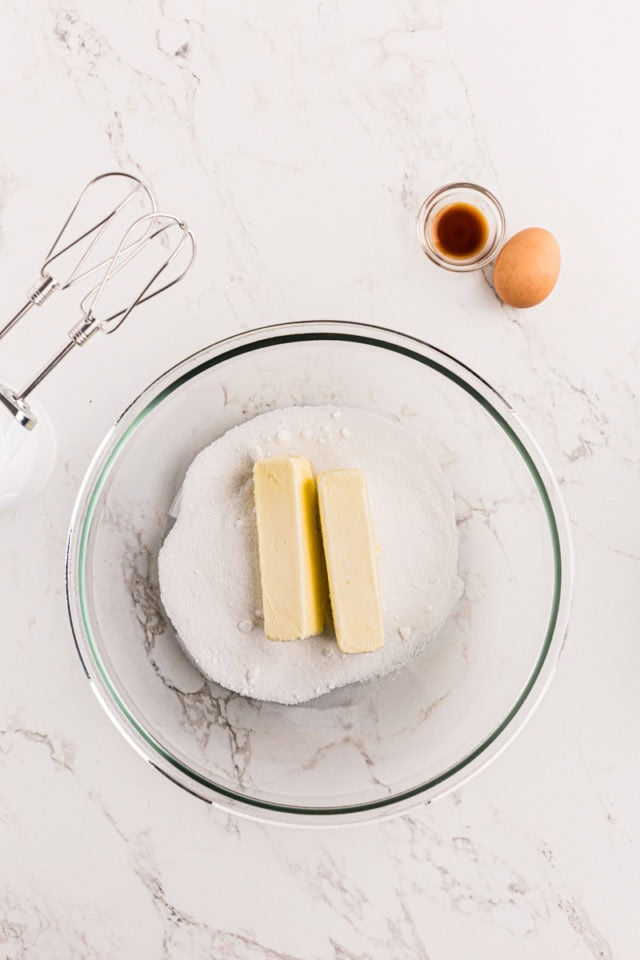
[208, 565]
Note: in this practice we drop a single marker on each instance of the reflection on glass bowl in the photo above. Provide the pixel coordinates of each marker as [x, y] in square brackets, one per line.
[364, 751]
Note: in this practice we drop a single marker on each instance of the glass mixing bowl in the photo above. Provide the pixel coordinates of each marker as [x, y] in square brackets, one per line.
[364, 751]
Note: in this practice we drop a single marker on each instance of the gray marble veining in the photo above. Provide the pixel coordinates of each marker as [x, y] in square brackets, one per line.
[298, 141]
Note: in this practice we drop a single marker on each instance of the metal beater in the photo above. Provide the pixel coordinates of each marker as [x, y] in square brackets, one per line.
[87, 240]
[155, 251]
[162, 238]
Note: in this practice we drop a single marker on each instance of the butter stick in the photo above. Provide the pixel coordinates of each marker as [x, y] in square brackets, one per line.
[350, 555]
[294, 592]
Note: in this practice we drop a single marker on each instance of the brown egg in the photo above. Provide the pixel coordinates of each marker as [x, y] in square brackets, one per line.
[527, 268]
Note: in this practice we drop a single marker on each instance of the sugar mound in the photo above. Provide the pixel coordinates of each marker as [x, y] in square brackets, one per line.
[208, 564]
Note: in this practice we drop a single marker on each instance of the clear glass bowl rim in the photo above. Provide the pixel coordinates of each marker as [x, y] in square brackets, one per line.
[107, 454]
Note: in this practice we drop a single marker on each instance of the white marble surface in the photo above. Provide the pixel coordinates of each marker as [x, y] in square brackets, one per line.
[298, 141]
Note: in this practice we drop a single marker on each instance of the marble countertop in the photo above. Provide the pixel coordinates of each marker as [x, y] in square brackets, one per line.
[298, 141]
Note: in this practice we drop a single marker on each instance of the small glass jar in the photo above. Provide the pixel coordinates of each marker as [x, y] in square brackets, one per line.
[491, 223]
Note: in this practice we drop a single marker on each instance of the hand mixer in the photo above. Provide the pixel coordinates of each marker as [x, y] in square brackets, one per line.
[156, 247]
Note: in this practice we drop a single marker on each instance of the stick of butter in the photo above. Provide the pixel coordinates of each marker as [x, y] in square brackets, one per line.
[294, 591]
[351, 560]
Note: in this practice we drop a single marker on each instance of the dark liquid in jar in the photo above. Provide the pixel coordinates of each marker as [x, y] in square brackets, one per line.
[460, 231]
